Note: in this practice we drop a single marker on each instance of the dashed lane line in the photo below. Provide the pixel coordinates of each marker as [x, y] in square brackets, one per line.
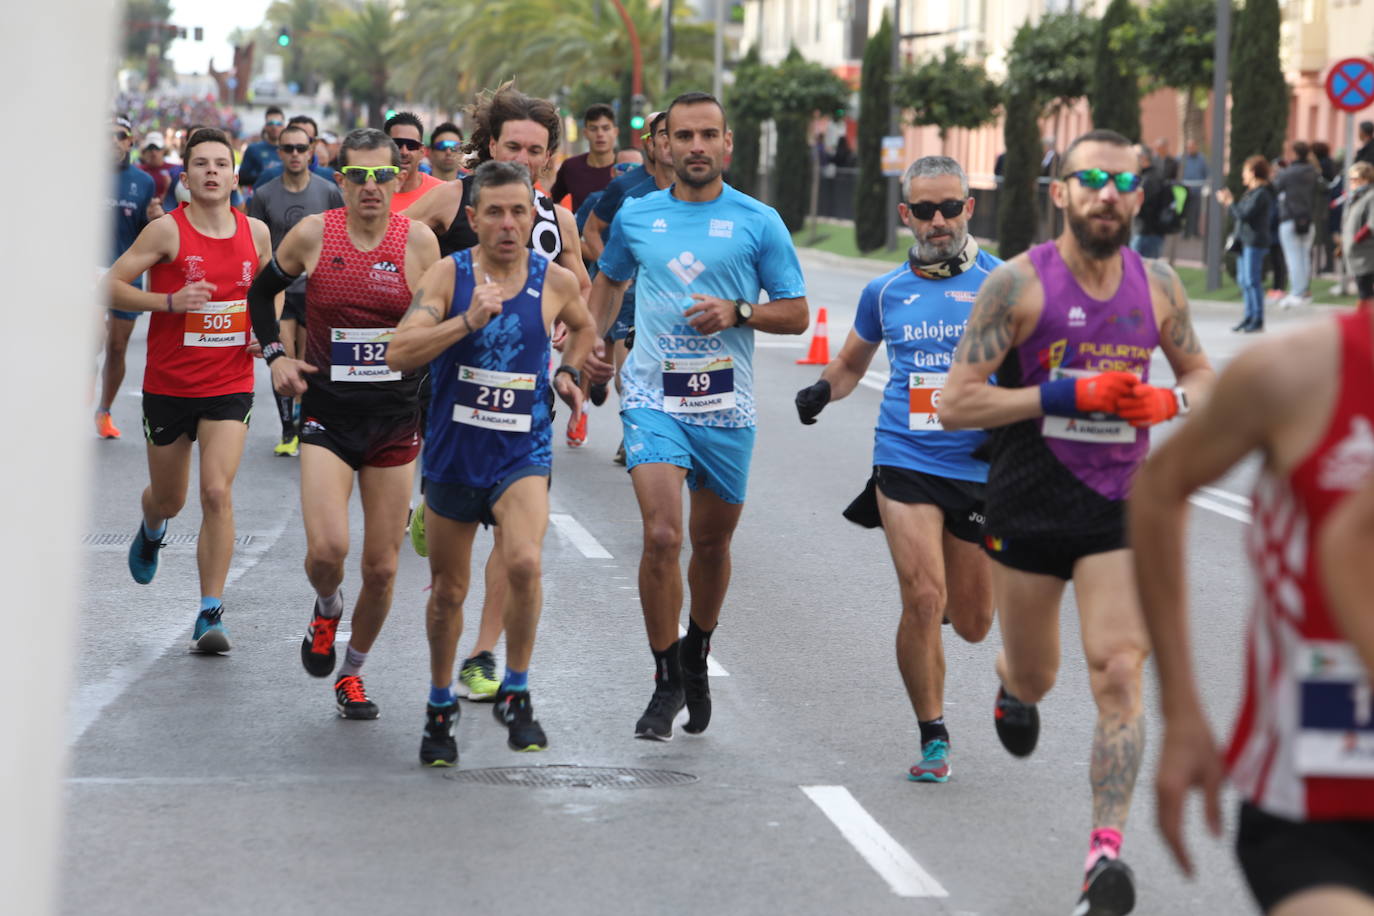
[884, 854]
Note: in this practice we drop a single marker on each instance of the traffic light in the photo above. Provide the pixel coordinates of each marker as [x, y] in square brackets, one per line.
[284, 37]
[639, 109]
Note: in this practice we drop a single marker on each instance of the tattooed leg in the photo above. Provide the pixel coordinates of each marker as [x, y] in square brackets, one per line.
[1118, 746]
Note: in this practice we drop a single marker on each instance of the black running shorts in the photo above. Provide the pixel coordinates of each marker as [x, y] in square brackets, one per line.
[167, 418]
[364, 440]
[294, 308]
[960, 500]
[1281, 858]
[1055, 554]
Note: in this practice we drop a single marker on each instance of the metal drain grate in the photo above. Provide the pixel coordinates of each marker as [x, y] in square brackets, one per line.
[178, 540]
[568, 776]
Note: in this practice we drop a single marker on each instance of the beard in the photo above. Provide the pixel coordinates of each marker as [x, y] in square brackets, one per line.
[1091, 239]
[700, 180]
[934, 249]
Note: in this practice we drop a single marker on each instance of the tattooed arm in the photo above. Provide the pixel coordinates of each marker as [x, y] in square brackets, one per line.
[1004, 313]
[424, 333]
[1177, 338]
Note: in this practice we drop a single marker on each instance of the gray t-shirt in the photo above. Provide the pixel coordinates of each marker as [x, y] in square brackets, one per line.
[281, 209]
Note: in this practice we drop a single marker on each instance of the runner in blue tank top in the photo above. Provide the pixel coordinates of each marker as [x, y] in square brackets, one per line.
[927, 488]
[481, 320]
[1069, 328]
[702, 251]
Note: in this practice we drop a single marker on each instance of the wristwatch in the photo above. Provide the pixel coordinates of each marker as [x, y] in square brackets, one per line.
[572, 373]
[1181, 397]
[744, 310]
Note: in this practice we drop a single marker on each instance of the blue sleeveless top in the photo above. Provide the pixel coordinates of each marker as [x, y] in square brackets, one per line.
[491, 412]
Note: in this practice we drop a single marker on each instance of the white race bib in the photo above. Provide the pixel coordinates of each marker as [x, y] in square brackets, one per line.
[217, 324]
[1106, 430]
[698, 384]
[359, 355]
[494, 400]
[924, 390]
[1335, 711]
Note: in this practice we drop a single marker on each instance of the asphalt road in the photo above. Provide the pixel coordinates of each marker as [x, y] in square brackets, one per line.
[229, 785]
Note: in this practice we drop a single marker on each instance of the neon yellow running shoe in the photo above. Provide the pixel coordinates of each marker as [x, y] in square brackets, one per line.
[287, 448]
[477, 678]
[417, 530]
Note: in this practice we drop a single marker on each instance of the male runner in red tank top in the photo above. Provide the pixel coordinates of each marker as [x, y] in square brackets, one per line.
[357, 416]
[198, 382]
[1302, 754]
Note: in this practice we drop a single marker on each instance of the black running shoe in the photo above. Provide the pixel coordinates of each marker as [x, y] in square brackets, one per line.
[657, 722]
[697, 689]
[352, 698]
[1018, 724]
[317, 649]
[438, 747]
[598, 394]
[1108, 889]
[514, 710]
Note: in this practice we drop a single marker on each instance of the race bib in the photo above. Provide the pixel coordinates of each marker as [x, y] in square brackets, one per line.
[924, 390]
[359, 355]
[494, 400]
[698, 385]
[1335, 712]
[1106, 430]
[218, 324]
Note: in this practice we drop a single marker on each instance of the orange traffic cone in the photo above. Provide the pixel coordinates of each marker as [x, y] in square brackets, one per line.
[819, 354]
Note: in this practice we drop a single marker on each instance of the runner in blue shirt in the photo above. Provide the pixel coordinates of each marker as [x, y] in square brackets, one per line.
[927, 488]
[134, 205]
[702, 251]
[263, 152]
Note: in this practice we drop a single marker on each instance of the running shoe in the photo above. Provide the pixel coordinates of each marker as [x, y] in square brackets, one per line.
[351, 696]
[143, 556]
[934, 765]
[288, 447]
[697, 692]
[514, 710]
[317, 649]
[1018, 724]
[104, 425]
[417, 530]
[620, 454]
[577, 434]
[598, 394]
[438, 747]
[210, 636]
[477, 678]
[657, 722]
[1108, 889]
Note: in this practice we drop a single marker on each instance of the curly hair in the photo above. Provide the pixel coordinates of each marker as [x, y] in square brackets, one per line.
[492, 110]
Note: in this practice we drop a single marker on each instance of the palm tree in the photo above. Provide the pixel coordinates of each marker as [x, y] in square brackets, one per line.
[360, 43]
[306, 19]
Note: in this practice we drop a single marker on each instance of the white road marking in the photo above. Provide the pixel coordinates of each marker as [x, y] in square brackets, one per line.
[779, 344]
[874, 380]
[1220, 508]
[713, 667]
[90, 700]
[581, 538]
[885, 855]
[1227, 495]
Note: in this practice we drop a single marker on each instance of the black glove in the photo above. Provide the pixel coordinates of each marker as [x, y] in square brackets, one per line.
[812, 400]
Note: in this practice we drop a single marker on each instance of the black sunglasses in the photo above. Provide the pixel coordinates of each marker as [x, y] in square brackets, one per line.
[294, 147]
[120, 135]
[359, 174]
[407, 143]
[925, 210]
[444, 146]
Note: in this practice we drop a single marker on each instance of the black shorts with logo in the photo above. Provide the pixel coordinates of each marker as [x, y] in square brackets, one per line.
[364, 440]
[1281, 858]
[167, 418]
[960, 500]
[1055, 554]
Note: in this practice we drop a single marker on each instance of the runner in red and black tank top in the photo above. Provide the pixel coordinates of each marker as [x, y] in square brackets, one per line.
[353, 301]
[203, 353]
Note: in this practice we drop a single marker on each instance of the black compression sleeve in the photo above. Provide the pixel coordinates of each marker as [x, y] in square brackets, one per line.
[262, 302]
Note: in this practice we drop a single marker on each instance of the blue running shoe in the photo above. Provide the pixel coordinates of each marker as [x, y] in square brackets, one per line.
[934, 765]
[143, 556]
[210, 636]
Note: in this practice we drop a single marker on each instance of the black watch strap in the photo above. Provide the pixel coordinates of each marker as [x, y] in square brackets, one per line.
[576, 376]
[274, 350]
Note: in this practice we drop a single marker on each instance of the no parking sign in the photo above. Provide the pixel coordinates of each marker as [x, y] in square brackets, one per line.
[1350, 84]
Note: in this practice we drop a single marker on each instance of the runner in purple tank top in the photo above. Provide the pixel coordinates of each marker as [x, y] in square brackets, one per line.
[1069, 329]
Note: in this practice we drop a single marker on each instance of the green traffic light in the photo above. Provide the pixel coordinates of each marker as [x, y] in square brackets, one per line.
[283, 39]
[637, 122]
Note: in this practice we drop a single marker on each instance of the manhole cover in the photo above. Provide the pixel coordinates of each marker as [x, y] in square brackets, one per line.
[568, 776]
[189, 540]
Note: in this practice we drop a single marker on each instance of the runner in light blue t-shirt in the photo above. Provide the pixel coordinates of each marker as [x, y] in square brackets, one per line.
[926, 490]
[703, 251]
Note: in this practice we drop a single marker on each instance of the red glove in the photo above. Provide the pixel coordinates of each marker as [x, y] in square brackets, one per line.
[1147, 405]
[1101, 393]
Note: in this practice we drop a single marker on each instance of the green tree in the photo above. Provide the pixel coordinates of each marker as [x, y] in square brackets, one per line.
[307, 20]
[1051, 62]
[748, 108]
[799, 89]
[144, 22]
[1259, 96]
[1114, 95]
[947, 92]
[1017, 198]
[359, 45]
[875, 88]
[1177, 41]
